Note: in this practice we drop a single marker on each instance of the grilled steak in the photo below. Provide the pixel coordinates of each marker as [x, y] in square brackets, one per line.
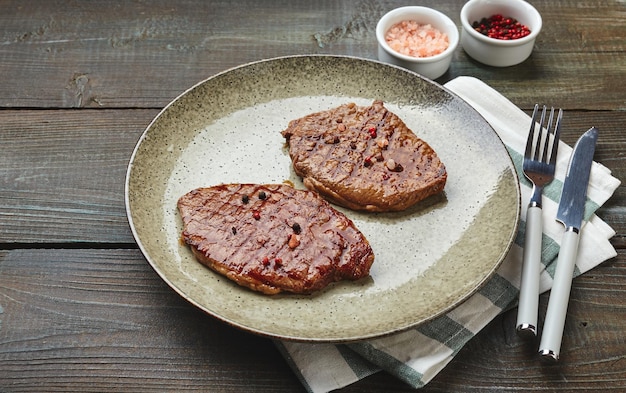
[273, 238]
[364, 158]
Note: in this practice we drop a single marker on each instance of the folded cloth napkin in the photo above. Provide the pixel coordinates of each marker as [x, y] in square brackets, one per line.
[417, 355]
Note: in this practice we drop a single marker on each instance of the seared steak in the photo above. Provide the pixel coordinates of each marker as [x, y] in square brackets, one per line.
[273, 238]
[364, 158]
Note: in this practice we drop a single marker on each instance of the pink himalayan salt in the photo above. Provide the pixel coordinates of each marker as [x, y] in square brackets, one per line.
[413, 39]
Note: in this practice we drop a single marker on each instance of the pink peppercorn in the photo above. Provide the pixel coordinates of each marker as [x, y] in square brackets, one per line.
[372, 131]
[501, 28]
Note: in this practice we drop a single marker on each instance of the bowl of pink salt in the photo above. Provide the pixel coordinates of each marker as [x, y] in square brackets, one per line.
[499, 33]
[420, 39]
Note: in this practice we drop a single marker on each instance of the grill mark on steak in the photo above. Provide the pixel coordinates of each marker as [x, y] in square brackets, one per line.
[364, 158]
[256, 243]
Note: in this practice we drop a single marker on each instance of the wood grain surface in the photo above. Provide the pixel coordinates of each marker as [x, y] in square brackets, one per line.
[81, 309]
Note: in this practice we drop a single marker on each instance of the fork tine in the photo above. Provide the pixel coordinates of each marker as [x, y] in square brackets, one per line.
[531, 134]
[555, 141]
[546, 143]
[540, 136]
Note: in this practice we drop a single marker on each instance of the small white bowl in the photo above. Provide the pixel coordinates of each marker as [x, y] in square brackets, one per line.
[492, 51]
[431, 67]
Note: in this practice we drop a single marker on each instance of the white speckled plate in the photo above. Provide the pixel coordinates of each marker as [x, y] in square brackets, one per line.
[428, 259]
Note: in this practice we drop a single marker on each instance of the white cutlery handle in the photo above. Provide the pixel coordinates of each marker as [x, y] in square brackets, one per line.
[552, 334]
[531, 269]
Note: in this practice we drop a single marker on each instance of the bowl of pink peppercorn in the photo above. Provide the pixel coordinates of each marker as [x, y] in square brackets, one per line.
[499, 33]
[420, 39]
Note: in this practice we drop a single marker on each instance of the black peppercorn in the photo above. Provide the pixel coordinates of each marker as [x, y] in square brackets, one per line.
[296, 228]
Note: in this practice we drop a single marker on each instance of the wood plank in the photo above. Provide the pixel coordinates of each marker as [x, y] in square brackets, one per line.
[62, 172]
[142, 55]
[102, 320]
[75, 320]
[560, 75]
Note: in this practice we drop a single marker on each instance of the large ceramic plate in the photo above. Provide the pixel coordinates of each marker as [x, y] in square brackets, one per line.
[227, 129]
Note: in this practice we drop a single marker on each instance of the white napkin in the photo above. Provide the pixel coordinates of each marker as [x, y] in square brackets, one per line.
[417, 355]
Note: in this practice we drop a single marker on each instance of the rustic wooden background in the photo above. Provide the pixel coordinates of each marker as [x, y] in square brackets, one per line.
[80, 308]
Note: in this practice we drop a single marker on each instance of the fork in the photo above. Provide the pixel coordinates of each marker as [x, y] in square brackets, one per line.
[539, 164]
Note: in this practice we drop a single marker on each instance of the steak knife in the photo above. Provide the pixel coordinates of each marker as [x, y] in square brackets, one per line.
[570, 214]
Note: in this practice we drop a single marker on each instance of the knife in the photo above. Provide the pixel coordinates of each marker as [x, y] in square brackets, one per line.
[570, 214]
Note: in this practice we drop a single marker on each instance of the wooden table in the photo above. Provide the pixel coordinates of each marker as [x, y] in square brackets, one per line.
[81, 309]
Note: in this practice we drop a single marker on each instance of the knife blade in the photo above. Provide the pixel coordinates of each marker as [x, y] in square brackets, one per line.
[570, 213]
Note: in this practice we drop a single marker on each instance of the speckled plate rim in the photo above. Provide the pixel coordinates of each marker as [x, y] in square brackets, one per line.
[345, 312]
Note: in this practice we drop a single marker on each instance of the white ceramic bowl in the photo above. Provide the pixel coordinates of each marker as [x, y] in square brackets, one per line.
[492, 51]
[431, 67]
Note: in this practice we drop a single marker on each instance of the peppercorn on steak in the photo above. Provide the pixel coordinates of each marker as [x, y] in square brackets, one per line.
[273, 238]
[364, 158]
